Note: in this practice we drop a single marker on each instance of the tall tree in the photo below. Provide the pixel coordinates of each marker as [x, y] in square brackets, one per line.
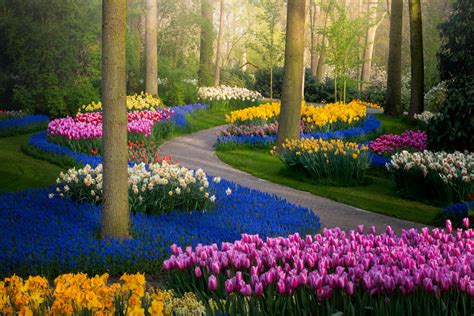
[314, 13]
[207, 34]
[290, 114]
[393, 100]
[217, 73]
[115, 212]
[151, 48]
[417, 62]
[372, 8]
[321, 69]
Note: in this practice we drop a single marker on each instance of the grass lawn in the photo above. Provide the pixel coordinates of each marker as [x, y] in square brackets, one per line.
[19, 171]
[378, 196]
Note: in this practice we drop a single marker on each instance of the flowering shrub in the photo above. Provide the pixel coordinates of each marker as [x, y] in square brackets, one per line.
[22, 124]
[153, 188]
[414, 273]
[371, 124]
[389, 144]
[426, 117]
[225, 93]
[53, 236]
[335, 161]
[136, 102]
[439, 177]
[435, 98]
[84, 131]
[80, 295]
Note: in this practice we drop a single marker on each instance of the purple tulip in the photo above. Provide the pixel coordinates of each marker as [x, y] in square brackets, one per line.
[465, 222]
[246, 290]
[212, 283]
[198, 272]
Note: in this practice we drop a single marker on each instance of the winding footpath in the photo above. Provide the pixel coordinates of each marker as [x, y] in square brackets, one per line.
[197, 151]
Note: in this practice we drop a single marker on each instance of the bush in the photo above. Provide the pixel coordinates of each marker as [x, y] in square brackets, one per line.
[333, 161]
[453, 129]
[439, 177]
[435, 98]
[236, 77]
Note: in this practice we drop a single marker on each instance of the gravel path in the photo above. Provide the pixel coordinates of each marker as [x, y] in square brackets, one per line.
[197, 151]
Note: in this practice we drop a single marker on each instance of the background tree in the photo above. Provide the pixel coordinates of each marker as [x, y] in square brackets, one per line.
[207, 36]
[270, 36]
[217, 73]
[290, 114]
[115, 211]
[393, 100]
[314, 15]
[151, 48]
[374, 20]
[417, 63]
[327, 6]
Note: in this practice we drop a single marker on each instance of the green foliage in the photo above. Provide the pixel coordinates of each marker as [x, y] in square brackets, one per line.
[454, 128]
[236, 77]
[176, 86]
[51, 54]
[456, 54]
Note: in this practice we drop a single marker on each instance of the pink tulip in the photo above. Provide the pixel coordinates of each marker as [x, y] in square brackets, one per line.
[212, 283]
[198, 272]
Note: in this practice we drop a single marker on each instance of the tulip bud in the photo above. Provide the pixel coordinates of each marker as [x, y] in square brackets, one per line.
[198, 272]
[212, 283]
[259, 289]
[449, 226]
[465, 222]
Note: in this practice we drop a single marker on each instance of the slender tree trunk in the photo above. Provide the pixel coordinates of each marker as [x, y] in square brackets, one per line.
[417, 62]
[271, 83]
[393, 102]
[115, 212]
[369, 44]
[217, 74]
[205, 53]
[314, 14]
[290, 115]
[151, 48]
[321, 69]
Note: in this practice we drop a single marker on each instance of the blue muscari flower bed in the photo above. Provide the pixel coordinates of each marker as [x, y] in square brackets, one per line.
[180, 111]
[52, 236]
[457, 210]
[22, 123]
[370, 125]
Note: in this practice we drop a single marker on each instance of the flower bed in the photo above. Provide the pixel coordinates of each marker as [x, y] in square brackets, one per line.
[152, 189]
[180, 112]
[415, 273]
[387, 145]
[371, 124]
[225, 95]
[439, 177]
[333, 161]
[22, 124]
[84, 131]
[136, 102]
[53, 236]
[8, 115]
[79, 294]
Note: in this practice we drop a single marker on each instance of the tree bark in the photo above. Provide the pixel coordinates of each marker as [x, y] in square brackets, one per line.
[205, 53]
[151, 54]
[115, 212]
[369, 44]
[217, 73]
[417, 62]
[290, 114]
[393, 102]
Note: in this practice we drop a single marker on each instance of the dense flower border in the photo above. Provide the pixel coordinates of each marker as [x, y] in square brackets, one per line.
[53, 236]
[22, 123]
[370, 125]
[180, 112]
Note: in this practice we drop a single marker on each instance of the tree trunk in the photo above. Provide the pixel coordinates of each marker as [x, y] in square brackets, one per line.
[217, 73]
[115, 212]
[321, 69]
[205, 53]
[314, 14]
[417, 62]
[290, 114]
[393, 102]
[369, 44]
[151, 54]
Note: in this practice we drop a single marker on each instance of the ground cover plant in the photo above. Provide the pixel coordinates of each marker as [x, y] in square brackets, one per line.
[416, 272]
[43, 236]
